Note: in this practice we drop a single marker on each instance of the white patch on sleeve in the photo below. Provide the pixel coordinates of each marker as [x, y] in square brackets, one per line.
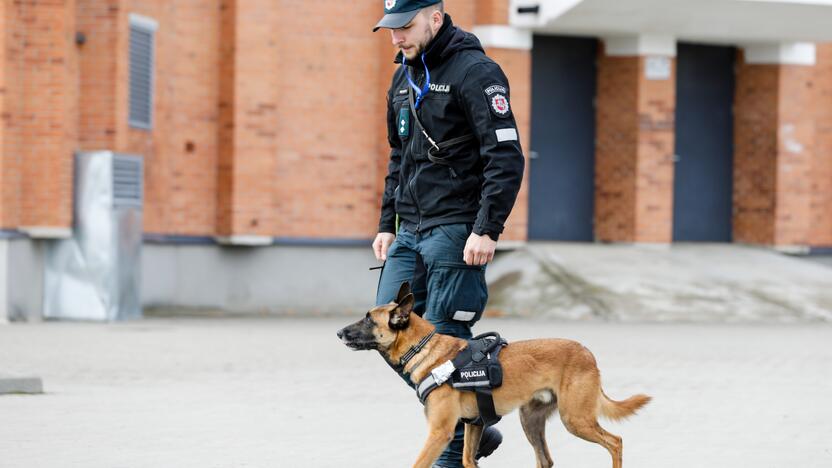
[464, 315]
[506, 134]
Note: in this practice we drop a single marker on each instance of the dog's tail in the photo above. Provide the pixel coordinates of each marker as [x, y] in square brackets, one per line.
[616, 410]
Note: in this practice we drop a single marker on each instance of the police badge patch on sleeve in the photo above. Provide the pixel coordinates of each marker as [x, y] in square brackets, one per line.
[498, 100]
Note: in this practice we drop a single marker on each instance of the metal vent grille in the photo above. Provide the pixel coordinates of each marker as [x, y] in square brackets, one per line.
[142, 37]
[127, 181]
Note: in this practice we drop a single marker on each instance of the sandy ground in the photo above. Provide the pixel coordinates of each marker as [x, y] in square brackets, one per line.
[286, 393]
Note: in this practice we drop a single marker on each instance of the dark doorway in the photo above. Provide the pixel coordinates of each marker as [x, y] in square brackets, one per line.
[561, 176]
[703, 178]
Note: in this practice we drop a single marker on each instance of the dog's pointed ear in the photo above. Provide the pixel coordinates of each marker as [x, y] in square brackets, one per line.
[404, 290]
[400, 316]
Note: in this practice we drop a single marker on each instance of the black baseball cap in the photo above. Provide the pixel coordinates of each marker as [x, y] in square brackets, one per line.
[397, 13]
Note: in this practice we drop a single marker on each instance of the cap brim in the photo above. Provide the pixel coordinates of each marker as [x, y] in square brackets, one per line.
[396, 20]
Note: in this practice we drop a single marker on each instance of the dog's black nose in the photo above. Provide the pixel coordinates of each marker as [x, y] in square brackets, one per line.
[340, 334]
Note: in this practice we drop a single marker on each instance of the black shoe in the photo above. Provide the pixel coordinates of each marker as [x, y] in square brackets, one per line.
[489, 441]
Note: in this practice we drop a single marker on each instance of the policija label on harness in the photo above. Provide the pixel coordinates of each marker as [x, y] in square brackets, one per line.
[472, 375]
[498, 100]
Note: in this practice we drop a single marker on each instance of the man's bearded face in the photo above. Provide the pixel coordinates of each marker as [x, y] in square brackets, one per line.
[415, 36]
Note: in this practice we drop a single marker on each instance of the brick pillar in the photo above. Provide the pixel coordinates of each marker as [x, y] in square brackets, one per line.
[249, 90]
[635, 138]
[774, 148]
[511, 49]
[493, 11]
[5, 193]
[463, 12]
[46, 53]
[820, 233]
[517, 65]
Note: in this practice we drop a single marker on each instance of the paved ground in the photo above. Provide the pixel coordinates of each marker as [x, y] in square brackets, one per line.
[286, 393]
[821, 259]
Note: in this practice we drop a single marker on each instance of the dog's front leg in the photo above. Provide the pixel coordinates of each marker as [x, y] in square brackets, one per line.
[472, 443]
[442, 410]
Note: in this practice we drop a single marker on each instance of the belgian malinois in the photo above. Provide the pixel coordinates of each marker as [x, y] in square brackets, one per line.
[539, 377]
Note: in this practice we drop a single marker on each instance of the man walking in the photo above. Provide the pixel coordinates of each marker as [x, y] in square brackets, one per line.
[454, 172]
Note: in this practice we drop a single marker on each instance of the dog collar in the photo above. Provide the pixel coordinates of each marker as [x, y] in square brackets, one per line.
[415, 349]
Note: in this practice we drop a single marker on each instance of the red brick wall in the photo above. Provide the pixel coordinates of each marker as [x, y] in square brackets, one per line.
[820, 232]
[98, 20]
[755, 152]
[40, 109]
[492, 11]
[268, 116]
[780, 155]
[616, 148]
[634, 166]
[464, 12]
[795, 155]
[332, 128]
[7, 181]
[517, 66]
[654, 183]
[227, 70]
[250, 116]
[181, 150]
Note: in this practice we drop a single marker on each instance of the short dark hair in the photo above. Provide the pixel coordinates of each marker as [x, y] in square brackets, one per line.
[440, 7]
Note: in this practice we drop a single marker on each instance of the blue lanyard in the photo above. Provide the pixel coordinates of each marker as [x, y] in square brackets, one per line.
[420, 93]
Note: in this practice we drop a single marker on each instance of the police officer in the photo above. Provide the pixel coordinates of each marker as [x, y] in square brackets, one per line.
[454, 172]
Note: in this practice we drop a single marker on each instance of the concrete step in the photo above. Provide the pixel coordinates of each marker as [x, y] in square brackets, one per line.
[679, 282]
[20, 385]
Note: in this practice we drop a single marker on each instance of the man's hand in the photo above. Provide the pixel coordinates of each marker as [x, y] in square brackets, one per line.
[381, 244]
[479, 250]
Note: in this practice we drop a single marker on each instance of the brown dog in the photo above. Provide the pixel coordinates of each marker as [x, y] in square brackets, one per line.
[539, 377]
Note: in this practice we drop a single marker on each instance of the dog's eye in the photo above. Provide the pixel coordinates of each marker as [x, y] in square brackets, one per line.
[367, 319]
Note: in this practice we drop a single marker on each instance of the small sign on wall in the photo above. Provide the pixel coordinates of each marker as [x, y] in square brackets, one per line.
[657, 67]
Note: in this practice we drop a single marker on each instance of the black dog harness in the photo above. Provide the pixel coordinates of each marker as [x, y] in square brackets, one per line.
[475, 369]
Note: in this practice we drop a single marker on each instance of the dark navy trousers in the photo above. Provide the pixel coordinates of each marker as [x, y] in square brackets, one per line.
[449, 294]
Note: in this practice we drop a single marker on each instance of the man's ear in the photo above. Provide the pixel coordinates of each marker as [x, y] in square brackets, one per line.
[404, 290]
[400, 316]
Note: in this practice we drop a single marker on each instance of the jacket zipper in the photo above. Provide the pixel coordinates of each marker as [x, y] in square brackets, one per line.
[411, 185]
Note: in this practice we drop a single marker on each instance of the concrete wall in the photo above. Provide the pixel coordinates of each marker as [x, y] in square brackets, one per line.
[21, 279]
[277, 279]
[280, 279]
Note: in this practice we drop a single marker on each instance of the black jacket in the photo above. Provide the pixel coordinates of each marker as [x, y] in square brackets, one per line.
[469, 95]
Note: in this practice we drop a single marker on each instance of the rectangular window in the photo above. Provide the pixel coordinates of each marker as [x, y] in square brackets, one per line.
[142, 41]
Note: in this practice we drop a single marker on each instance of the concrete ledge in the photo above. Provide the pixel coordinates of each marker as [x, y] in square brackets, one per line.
[275, 279]
[20, 385]
[794, 53]
[47, 232]
[244, 240]
[504, 37]
[663, 45]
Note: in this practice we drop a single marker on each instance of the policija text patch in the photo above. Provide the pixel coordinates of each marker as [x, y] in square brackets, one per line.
[497, 96]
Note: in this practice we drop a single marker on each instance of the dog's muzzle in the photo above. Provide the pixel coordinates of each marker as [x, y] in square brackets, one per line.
[353, 342]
